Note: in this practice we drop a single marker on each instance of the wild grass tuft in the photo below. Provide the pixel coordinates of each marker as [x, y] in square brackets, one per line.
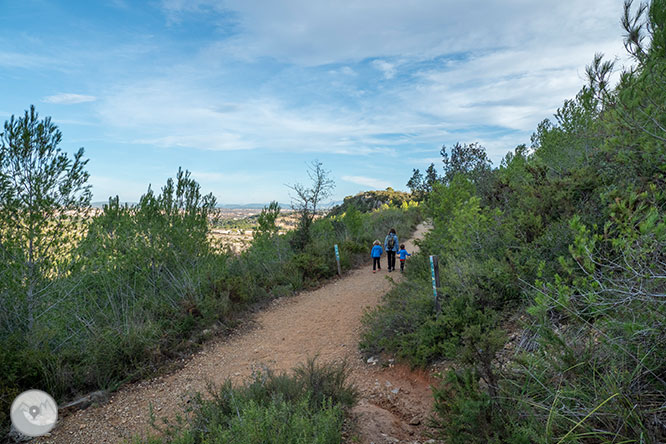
[306, 406]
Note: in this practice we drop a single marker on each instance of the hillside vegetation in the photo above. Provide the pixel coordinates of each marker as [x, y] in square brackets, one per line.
[552, 268]
[91, 300]
[373, 200]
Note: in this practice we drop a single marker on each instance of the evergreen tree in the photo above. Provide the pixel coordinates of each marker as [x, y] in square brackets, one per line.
[420, 185]
[415, 184]
[43, 193]
[467, 159]
[267, 218]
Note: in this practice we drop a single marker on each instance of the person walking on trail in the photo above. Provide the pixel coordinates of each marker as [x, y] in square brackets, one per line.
[376, 253]
[391, 247]
[403, 256]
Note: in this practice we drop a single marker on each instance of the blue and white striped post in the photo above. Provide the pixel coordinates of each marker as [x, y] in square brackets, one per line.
[337, 259]
[434, 273]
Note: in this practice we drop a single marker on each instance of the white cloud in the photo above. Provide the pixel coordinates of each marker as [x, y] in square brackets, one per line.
[511, 88]
[377, 184]
[172, 112]
[463, 68]
[392, 81]
[24, 61]
[348, 71]
[320, 32]
[68, 99]
[388, 69]
[504, 66]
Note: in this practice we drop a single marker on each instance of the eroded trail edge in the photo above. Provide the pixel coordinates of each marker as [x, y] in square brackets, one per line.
[326, 322]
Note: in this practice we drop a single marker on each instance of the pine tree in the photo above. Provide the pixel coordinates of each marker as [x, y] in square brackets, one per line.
[42, 194]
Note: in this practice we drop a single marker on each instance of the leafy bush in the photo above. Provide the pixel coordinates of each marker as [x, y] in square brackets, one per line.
[405, 325]
[305, 407]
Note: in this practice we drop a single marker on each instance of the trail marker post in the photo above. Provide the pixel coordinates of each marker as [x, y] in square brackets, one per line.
[434, 272]
[337, 259]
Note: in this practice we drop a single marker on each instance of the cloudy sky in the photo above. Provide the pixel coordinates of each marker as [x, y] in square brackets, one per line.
[246, 93]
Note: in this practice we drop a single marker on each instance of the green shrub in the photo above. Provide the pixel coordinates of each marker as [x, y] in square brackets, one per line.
[313, 267]
[404, 325]
[307, 406]
[463, 412]
[20, 367]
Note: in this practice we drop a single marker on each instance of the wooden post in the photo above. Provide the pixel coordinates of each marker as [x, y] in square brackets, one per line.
[337, 259]
[434, 272]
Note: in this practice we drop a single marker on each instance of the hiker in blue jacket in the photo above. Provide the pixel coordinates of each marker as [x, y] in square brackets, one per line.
[391, 246]
[403, 256]
[376, 253]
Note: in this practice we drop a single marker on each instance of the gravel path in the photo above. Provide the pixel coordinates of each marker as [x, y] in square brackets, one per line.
[324, 322]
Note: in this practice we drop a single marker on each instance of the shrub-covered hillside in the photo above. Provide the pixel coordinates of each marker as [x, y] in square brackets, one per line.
[372, 200]
[92, 300]
[552, 268]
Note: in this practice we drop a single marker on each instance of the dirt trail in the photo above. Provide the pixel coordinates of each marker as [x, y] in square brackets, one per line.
[326, 321]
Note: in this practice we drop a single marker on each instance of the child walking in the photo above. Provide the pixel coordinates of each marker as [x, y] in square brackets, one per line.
[403, 256]
[376, 253]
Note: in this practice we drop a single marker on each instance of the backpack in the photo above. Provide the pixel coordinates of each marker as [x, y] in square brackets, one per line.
[391, 243]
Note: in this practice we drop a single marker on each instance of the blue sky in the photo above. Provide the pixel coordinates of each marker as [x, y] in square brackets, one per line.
[245, 94]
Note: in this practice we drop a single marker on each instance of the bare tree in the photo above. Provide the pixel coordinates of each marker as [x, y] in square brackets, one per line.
[307, 200]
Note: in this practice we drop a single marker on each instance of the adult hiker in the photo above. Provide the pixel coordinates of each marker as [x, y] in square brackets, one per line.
[391, 246]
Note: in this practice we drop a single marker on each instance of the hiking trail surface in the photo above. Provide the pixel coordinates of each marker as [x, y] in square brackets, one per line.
[394, 401]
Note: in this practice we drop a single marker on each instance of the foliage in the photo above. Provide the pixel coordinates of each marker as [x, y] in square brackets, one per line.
[473, 276]
[552, 270]
[353, 222]
[159, 233]
[419, 185]
[603, 314]
[266, 221]
[307, 406]
[38, 184]
[469, 160]
[368, 201]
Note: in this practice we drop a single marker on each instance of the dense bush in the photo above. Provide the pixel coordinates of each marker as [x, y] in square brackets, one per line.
[305, 407]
